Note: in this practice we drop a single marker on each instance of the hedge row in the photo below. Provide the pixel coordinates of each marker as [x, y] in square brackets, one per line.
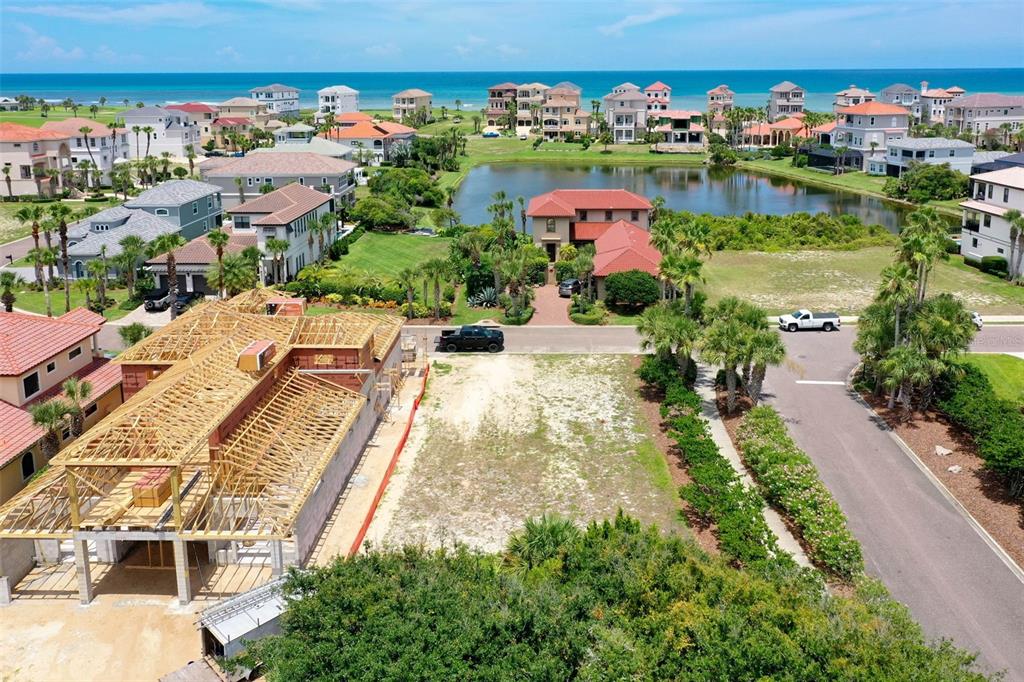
[717, 494]
[996, 424]
[791, 482]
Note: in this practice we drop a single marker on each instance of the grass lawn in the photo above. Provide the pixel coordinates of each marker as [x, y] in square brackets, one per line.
[35, 301]
[11, 228]
[502, 438]
[842, 281]
[35, 117]
[1005, 372]
[463, 314]
[386, 255]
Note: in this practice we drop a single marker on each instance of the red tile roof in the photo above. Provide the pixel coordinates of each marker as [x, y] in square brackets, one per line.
[353, 116]
[232, 121]
[283, 205]
[676, 113]
[657, 85]
[504, 86]
[824, 128]
[199, 252]
[70, 126]
[13, 132]
[362, 130]
[873, 108]
[17, 432]
[395, 128]
[194, 108]
[565, 202]
[28, 340]
[622, 247]
[589, 231]
[790, 123]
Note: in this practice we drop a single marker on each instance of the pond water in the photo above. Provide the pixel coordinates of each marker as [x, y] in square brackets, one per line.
[719, 191]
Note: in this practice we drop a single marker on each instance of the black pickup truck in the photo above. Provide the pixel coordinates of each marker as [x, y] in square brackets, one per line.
[471, 337]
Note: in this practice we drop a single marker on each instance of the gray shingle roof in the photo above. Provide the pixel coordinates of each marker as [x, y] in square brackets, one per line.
[930, 143]
[113, 214]
[316, 145]
[173, 193]
[275, 87]
[145, 111]
[145, 225]
[785, 86]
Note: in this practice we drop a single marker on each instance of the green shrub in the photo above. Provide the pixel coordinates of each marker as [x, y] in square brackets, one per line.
[791, 482]
[994, 265]
[565, 269]
[519, 318]
[631, 289]
[922, 182]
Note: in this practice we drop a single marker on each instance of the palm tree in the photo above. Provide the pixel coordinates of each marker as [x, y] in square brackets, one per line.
[241, 195]
[136, 130]
[683, 270]
[190, 154]
[7, 180]
[85, 130]
[724, 344]
[132, 248]
[765, 348]
[60, 213]
[922, 242]
[278, 247]
[328, 224]
[904, 368]
[149, 136]
[234, 275]
[1016, 221]
[32, 214]
[406, 279]
[166, 244]
[522, 211]
[437, 269]
[98, 270]
[8, 281]
[45, 256]
[77, 392]
[218, 239]
[668, 333]
[840, 152]
[50, 416]
[583, 264]
[897, 289]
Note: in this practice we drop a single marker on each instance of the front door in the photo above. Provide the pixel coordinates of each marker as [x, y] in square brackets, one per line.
[552, 251]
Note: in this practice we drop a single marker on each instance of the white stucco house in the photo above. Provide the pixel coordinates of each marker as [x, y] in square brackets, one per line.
[279, 99]
[985, 230]
[930, 150]
[173, 130]
[337, 100]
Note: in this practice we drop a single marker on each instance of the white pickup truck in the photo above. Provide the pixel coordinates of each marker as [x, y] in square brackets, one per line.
[805, 319]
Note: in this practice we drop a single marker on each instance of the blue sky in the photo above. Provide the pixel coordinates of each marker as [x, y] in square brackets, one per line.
[435, 35]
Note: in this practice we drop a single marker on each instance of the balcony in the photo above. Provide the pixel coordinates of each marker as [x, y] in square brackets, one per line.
[972, 225]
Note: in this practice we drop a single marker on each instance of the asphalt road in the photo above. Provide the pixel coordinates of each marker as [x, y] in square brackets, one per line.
[17, 249]
[913, 539]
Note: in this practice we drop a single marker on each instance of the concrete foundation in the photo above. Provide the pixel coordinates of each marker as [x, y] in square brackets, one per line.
[181, 571]
[16, 560]
[83, 571]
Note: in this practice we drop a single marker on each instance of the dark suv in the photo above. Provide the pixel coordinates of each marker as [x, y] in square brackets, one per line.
[569, 287]
[186, 300]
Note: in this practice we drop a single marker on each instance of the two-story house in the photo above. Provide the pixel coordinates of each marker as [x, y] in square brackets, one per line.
[244, 107]
[978, 114]
[501, 99]
[851, 96]
[101, 146]
[241, 179]
[867, 130]
[985, 230]
[659, 96]
[408, 102]
[279, 99]
[579, 216]
[173, 130]
[784, 100]
[285, 214]
[337, 100]
[934, 101]
[194, 259]
[37, 354]
[202, 114]
[35, 161]
[625, 111]
[529, 99]
[720, 99]
[372, 142]
[957, 154]
[679, 126]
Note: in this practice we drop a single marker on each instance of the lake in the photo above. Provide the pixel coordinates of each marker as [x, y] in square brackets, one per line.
[719, 191]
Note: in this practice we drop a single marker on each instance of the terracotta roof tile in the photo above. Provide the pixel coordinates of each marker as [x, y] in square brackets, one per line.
[624, 246]
[13, 132]
[658, 86]
[283, 205]
[70, 126]
[231, 121]
[194, 108]
[874, 108]
[28, 340]
[17, 432]
[199, 252]
[284, 163]
[565, 202]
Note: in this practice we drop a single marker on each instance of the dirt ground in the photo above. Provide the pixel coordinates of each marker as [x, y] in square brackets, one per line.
[501, 438]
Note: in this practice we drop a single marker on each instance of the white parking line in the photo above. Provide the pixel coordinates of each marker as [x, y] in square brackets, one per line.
[823, 383]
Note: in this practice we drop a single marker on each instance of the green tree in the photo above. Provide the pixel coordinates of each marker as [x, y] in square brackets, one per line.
[60, 214]
[165, 245]
[85, 130]
[631, 289]
[132, 249]
[8, 282]
[438, 270]
[764, 348]
[149, 136]
[725, 341]
[219, 239]
[277, 249]
[190, 154]
[407, 278]
[77, 392]
[683, 270]
[50, 416]
[898, 290]
[132, 333]
[922, 242]
[669, 332]
[45, 257]
[234, 274]
[32, 215]
[1013, 261]
[7, 180]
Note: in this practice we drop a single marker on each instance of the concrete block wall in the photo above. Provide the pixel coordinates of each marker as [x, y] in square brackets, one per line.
[17, 557]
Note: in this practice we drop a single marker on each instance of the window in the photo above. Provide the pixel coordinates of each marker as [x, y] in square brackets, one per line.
[65, 434]
[999, 249]
[302, 181]
[28, 466]
[987, 221]
[161, 211]
[634, 216]
[990, 191]
[550, 225]
[74, 353]
[951, 152]
[31, 384]
[91, 410]
[248, 182]
[931, 153]
[974, 242]
[209, 201]
[1006, 194]
[323, 181]
[51, 367]
[26, 172]
[195, 207]
[607, 215]
[583, 215]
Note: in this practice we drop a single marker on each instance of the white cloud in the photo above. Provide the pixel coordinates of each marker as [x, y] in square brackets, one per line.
[40, 47]
[656, 13]
[469, 46]
[506, 50]
[383, 50]
[189, 13]
[229, 53]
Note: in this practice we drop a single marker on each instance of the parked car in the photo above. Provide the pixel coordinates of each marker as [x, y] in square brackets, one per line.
[977, 320]
[471, 337]
[523, 136]
[491, 133]
[569, 287]
[186, 301]
[805, 319]
[156, 300]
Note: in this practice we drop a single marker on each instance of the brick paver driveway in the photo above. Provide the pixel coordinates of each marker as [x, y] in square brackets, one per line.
[549, 308]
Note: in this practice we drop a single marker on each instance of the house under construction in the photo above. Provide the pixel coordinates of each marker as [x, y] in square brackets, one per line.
[243, 420]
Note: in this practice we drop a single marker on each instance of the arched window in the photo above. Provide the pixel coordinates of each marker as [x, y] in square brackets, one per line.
[79, 269]
[550, 225]
[28, 466]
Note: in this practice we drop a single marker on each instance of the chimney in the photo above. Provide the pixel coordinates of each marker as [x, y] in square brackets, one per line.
[924, 86]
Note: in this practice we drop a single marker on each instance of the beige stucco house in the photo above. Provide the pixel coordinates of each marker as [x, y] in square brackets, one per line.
[34, 160]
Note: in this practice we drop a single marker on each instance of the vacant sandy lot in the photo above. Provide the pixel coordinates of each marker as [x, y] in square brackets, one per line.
[500, 438]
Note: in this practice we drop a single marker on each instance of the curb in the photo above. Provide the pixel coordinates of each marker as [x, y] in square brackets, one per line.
[361, 535]
[939, 485]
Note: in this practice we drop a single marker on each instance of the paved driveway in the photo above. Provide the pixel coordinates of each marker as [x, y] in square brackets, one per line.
[549, 307]
[914, 540]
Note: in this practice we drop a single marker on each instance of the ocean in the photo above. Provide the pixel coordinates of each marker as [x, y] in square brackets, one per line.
[376, 88]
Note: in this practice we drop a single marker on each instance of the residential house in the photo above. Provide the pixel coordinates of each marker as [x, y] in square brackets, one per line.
[277, 170]
[229, 130]
[679, 126]
[186, 207]
[530, 98]
[561, 115]
[173, 130]
[279, 99]
[784, 100]
[102, 147]
[244, 107]
[623, 247]
[659, 96]
[904, 95]
[579, 216]
[761, 135]
[984, 112]
[935, 151]
[285, 214]
[193, 260]
[303, 138]
[867, 130]
[822, 134]
[337, 100]
[202, 114]
[9, 104]
[35, 160]
[720, 99]
[934, 101]
[985, 229]
[37, 354]
[373, 142]
[852, 96]
[990, 161]
[350, 119]
[626, 113]
[408, 102]
[501, 99]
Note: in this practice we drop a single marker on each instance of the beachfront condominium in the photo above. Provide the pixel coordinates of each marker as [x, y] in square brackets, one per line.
[985, 229]
[337, 100]
[626, 113]
[101, 145]
[173, 130]
[501, 99]
[785, 99]
[561, 117]
[988, 117]
[851, 96]
[529, 100]
[411, 102]
[867, 130]
[280, 99]
[720, 99]
[659, 96]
